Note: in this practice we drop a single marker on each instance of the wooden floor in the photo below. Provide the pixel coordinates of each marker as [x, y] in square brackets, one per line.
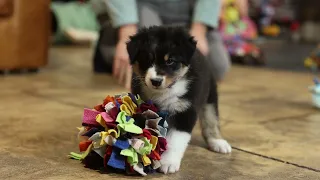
[267, 116]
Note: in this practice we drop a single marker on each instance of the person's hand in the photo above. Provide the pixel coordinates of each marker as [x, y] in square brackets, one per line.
[122, 69]
[121, 66]
[199, 32]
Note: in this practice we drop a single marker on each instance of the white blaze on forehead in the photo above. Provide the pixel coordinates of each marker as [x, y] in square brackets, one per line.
[151, 73]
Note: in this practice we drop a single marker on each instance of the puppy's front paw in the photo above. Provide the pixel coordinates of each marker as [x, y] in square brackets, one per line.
[219, 145]
[169, 163]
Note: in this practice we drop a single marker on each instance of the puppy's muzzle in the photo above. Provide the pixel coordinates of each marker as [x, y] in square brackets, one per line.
[156, 82]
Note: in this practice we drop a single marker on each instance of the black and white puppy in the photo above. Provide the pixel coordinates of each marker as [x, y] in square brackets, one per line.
[171, 72]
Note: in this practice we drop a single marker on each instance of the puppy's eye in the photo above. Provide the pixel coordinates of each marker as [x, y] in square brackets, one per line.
[170, 61]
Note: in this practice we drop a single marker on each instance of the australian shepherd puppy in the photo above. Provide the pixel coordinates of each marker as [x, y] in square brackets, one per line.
[169, 70]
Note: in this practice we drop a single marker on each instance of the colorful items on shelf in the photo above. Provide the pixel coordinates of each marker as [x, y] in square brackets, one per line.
[267, 13]
[232, 24]
[267, 26]
[123, 133]
[271, 30]
[313, 62]
[277, 18]
[238, 47]
[244, 28]
[315, 90]
[231, 14]
[237, 33]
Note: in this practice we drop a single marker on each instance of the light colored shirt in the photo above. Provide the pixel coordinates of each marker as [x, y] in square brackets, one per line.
[124, 12]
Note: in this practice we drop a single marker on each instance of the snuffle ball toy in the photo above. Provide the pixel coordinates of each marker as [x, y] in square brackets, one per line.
[123, 133]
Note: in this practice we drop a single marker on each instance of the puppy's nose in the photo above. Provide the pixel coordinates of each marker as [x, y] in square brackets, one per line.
[156, 82]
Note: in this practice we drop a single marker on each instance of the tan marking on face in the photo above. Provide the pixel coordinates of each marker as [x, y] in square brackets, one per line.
[135, 68]
[168, 80]
[166, 57]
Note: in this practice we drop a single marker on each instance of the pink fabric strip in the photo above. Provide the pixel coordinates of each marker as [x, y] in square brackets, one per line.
[89, 116]
[106, 117]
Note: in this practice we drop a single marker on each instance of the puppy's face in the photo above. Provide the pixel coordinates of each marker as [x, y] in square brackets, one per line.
[161, 55]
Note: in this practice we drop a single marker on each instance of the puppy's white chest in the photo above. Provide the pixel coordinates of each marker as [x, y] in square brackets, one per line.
[174, 105]
[170, 99]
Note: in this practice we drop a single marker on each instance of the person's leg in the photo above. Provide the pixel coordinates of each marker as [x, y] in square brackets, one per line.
[148, 14]
[218, 55]
[105, 47]
[104, 50]
[177, 13]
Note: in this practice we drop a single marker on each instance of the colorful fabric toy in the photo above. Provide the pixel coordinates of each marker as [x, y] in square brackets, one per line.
[123, 133]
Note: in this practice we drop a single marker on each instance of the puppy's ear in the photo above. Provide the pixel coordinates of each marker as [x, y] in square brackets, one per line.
[189, 48]
[132, 49]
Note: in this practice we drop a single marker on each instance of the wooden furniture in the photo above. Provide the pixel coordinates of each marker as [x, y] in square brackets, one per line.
[24, 34]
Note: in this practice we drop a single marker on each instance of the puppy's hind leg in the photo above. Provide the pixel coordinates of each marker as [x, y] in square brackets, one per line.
[211, 129]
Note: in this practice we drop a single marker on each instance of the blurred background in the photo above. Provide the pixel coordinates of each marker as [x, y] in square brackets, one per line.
[286, 31]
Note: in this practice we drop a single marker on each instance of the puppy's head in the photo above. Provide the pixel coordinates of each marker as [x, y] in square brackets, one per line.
[161, 55]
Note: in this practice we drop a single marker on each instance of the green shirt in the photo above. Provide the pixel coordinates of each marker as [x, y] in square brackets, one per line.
[124, 12]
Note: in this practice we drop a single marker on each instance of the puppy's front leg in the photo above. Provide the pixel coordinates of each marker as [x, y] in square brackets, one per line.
[180, 128]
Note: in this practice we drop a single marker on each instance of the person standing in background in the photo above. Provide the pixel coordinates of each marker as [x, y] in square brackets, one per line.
[201, 17]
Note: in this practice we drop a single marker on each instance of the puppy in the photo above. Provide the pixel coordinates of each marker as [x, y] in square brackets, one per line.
[169, 70]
